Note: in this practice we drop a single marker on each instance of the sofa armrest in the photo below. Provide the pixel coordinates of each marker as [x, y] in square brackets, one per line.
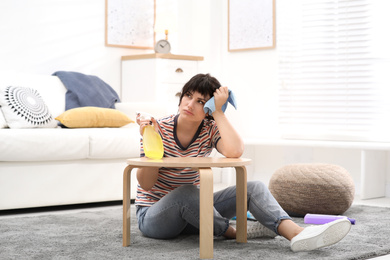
[154, 108]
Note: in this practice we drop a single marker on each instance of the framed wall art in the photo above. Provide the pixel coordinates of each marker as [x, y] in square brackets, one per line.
[251, 24]
[130, 23]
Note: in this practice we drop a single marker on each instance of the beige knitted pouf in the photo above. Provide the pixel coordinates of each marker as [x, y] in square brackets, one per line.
[313, 188]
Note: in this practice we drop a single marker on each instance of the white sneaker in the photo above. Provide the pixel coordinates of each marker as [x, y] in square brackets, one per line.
[256, 230]
[314, 237]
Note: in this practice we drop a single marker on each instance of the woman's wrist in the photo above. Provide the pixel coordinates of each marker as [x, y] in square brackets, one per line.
[217, 113]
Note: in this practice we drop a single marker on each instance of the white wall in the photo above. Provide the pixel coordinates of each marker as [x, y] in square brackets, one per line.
[251, 74]
[43, 36]
[253, 77]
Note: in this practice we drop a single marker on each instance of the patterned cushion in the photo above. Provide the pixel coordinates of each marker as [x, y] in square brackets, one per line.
[3, 123]
[313, 188]
[24, 108]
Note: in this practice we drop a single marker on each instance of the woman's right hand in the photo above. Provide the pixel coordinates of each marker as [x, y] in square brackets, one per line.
[142, 122]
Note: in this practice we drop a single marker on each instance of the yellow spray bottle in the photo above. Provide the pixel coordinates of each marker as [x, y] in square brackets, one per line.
[153, 145]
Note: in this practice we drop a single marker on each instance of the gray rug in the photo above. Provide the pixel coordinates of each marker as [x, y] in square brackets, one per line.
[97, 234]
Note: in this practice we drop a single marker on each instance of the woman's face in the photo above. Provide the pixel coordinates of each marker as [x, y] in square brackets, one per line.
[191, 106]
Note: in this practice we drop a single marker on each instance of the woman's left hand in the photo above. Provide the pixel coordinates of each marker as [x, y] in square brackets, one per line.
[221, 95]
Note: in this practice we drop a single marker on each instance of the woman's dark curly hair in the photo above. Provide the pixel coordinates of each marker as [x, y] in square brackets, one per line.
[202, 83]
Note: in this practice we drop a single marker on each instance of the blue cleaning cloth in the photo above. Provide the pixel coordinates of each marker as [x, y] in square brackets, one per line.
[209, 107]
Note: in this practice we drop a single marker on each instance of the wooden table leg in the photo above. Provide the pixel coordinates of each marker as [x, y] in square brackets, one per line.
[241, 204]
[126, 205]
[206, 204]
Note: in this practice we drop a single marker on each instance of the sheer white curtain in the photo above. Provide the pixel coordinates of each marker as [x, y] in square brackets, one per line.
[334, 69]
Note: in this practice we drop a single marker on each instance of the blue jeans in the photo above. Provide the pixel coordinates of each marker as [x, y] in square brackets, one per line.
[178, 211]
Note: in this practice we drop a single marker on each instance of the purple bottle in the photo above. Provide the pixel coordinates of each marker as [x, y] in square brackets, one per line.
[323, 219]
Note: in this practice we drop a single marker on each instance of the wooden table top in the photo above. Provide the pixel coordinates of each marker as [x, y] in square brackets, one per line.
[193, 162]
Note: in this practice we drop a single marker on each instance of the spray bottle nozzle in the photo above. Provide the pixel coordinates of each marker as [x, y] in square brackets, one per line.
[144, 115]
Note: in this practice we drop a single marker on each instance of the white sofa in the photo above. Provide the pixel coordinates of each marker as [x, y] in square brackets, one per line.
[58, 166]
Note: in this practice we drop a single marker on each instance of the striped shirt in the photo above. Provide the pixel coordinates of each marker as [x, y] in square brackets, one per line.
[205, 139]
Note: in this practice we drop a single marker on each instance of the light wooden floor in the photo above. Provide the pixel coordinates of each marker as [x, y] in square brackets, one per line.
[379, 202]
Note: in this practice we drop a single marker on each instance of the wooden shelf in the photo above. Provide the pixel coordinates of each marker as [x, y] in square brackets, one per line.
[161, 56]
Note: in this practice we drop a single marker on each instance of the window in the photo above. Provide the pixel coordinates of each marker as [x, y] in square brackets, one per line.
[334, 69]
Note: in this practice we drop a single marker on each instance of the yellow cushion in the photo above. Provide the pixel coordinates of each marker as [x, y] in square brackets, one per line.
[83, 117]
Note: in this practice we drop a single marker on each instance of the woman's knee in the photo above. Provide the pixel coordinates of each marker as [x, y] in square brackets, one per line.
[258, 188]
[187, 191]
[256, 185]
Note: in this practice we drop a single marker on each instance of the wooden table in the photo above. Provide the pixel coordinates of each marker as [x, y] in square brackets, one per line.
[203, 165]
